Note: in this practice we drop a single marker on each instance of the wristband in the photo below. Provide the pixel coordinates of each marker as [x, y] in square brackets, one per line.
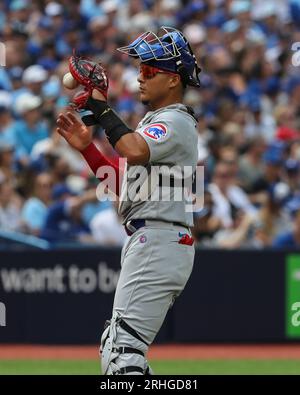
[105, 116]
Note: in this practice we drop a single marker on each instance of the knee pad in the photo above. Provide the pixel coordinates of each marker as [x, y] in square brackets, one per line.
[122, 353]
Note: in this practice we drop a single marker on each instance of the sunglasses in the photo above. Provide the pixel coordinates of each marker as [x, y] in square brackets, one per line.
[149, 72]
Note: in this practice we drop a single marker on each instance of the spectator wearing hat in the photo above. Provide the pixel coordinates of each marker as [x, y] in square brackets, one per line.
[167, 11]
[241, 11]
[269, 22]
[33, 79]
[30, 128]
[55, 12]
[273, 159]
[55, 146]
[63, 221]
[91, 8]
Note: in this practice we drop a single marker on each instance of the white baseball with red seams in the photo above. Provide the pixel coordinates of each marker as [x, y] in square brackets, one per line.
[69, 82]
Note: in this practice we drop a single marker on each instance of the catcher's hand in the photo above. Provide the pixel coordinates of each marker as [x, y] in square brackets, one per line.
[89, 74]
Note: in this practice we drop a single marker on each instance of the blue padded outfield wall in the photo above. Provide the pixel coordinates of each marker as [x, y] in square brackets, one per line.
[65, 296]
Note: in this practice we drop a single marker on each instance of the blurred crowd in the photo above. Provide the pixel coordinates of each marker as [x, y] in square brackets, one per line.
[248, 109]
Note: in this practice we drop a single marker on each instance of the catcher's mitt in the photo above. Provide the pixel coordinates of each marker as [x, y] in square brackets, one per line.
[89, 74]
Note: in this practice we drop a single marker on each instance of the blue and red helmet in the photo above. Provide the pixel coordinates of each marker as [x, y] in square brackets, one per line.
[169, 51]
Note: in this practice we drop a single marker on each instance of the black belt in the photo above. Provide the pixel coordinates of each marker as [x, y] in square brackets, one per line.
[135, 224]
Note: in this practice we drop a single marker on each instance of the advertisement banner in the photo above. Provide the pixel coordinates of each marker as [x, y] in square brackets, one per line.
[293, 296]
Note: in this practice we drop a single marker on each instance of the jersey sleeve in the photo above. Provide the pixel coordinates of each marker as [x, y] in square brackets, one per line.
[162, 134]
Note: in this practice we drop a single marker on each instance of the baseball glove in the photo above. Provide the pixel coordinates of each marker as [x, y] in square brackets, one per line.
[89, 74]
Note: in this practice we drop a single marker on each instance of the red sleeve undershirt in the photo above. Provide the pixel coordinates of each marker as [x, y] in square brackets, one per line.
[96, 159]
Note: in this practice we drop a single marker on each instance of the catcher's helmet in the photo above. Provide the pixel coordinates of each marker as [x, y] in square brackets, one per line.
[170, 51]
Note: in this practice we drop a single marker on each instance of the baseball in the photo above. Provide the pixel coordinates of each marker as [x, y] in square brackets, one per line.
[69, 82]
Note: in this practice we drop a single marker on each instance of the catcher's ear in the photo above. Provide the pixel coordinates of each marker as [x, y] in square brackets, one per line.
[174, 80]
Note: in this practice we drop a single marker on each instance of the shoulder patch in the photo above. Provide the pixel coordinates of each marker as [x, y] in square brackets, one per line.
[156, 131]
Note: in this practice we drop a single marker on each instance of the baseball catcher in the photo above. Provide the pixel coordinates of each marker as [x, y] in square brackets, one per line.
[157, 259]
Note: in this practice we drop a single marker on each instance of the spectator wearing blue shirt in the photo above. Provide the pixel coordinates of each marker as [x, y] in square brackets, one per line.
[63, 221]
[29, 129]
[35, 209]
[290, 239]
[18, 88]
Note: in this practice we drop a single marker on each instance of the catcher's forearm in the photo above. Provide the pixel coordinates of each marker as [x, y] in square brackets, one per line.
[96, 159]
[113, 125]
[127, 143]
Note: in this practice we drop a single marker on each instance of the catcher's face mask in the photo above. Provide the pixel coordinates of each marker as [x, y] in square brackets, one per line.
[169, 51]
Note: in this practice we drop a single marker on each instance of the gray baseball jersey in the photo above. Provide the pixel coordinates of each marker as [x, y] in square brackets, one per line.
[155, 264]
[171, 135]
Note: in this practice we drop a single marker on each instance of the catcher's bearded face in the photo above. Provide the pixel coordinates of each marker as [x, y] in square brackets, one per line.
[155, 84]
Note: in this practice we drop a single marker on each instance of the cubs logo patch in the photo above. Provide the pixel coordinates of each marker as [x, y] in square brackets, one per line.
[156, 131]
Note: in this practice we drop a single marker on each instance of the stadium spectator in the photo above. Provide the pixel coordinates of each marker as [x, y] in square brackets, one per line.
[33, 79]
[205, 223]
[30, 128]
[6, 119]
[35, 208]
[57, 147]
[10, 206]
[238, 235]
[227, 196]
[273, 159]
[290, 239]
[58, 166]
[63, 221]
[7, 161]
[272, 219]
[250, 163]
[248, 105]
[106, 227]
